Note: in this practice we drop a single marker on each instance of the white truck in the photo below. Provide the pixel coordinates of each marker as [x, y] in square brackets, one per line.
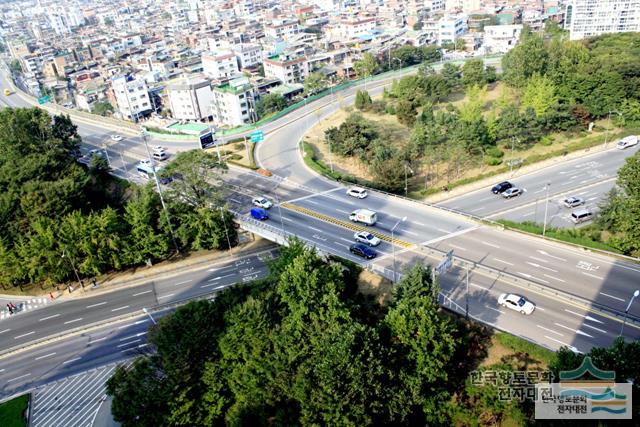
[364, 216]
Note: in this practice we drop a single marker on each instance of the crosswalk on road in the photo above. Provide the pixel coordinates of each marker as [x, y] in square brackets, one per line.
[23, 306]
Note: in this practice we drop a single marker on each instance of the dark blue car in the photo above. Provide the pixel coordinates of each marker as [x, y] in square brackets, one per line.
[362, 250]
[259, 214]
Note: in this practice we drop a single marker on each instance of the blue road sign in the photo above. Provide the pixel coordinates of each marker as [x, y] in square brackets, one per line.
[44, 99]
[257, 136]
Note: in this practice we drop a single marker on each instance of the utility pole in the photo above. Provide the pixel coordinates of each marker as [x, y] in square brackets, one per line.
[467, 296]
[393, 246]
[225, 226]
[634, 296]
[546, 207]
[164, 206]
[64, 252]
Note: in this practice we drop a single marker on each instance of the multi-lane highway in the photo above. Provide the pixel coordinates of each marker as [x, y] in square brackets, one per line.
[574, 290]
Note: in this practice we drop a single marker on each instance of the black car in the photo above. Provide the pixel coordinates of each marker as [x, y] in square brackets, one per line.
[502, 187]
[362, 250]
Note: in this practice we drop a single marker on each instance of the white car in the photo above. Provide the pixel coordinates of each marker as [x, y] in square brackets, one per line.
[511, 192]
[158, 149]
[358, 192]
[627, 142]
[517, 303]
[145, 162]
[262, 202]
[116, 137]
[366, 238]
[573, 202]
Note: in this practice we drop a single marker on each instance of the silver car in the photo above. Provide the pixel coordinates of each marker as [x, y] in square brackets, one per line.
[511, 192]
[262, 202]
[366, 238]
[572, 202]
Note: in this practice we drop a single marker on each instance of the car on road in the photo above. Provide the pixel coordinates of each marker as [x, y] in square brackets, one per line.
[158, 149]
[7, 92]
[512, 192]
[581, 215]
[366, 238]
[259, 214]
[517, 303]
[145, 162]
[501, 187]
[573, 202]
[262, 202]
[357, 192]
[362, 251]
[116, 137]
[626, 142]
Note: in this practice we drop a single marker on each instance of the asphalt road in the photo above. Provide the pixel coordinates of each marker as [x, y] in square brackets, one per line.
[589, 177]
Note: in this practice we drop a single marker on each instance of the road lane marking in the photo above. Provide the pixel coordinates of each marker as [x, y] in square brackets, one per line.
[502, 261]
[577, 331]
[46, 355]
[343, 211]
[491, 244]
[71, 360]
[313, 202]
[211, 270]
[24, 335]
[346, 240]
[286, 219]
[594, 328]
[221, 277]
[342, 245]
[449, 236]
[550, 330]
[529, 214]
[96, 305]
[6, 330]
[541, 266]
[17, 378]
[315, 229]
[142, 293]
[477, 210]
[133, 324]
[182, 283]
[494, 309]
[120, 308]
[555, 278]
[529, 276]
[73, 321]
[443, 230]
[611, 296]
[551, 256]
[538, 259]
[478, 286]
[409, 232]
[98, 339]
[458, 247]
[235, 201]
[139, 334]
[165, 296]
[49, 317]
[128, 343]
[574, 349]
[418, 223]
[584, 316]
[594, 276]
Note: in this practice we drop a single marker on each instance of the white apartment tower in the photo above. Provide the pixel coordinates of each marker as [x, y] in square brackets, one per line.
[190, 98]
[220, 64]
[588, 18]
[132, 97]
[233, 103]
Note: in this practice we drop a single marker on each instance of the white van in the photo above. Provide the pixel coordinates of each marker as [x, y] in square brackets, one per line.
[358, 192]
[159, 155]
[364, 216]
[626, 142]
[581, 215]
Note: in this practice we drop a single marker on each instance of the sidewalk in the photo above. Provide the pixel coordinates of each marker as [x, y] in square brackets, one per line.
[166, 269]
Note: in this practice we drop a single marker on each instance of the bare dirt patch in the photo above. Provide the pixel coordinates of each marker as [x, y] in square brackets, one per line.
[371, 284]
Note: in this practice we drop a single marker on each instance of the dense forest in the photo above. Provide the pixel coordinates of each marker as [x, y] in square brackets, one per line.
[303, 347]
[56, 213]
[552, 85]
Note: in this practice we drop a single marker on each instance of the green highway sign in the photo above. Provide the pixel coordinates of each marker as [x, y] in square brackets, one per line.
[44, 99]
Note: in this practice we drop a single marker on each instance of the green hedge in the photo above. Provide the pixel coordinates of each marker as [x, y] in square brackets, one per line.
[12, 412]
[579, 236]
[523, 346]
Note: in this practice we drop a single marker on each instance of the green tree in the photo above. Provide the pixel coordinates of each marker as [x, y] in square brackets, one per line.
[540, 95]
[15, 66]
[353, 137]
[363, 100]
[314, 83]
[473, 73]
[269, 104]
[366, 66]
[406, 113]
[529, 57]
[459, 44]
[145, 238]
[451, 74]
[103, 108]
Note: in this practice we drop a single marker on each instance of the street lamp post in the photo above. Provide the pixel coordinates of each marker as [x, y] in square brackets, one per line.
[226, 232]
[406, 179]
[144, 309]
[64, 252]
[280, 213]
[635, 295]
[606, 135]
[466, 297]
[393, 246]
[546, 207]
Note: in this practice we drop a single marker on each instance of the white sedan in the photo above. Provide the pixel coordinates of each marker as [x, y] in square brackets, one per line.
[357, 192]
[262, 202]
[366, 238]
[627, 142]
[517, 303]
[116, 137]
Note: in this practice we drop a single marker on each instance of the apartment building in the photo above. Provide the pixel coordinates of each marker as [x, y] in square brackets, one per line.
[354, 27]
[464, 6]
[248, 54]
[221, 64]
[190, 98]
[286, 68]
[450, 28]
[588, 18]
[282, 29]
[501, 38]
[131, 96]
[233, 103]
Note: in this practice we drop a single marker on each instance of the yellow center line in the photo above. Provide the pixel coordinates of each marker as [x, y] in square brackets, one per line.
[345, 224]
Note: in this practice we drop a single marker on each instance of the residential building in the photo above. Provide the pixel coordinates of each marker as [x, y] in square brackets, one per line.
[588, 18]
[450, 28]
[287, 68]
[464, 6]
[233, 103]
[190, 98]
[221, 64]
[354, 27]
[131, 96]
[282, 29]
[248, 54]
[501, 38]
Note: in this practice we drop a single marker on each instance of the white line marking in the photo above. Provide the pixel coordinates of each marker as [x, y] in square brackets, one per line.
[120, 308]
[128, 343]
[71, 360]
[554, 278]
[577, 331]
[231, 267]
[529, 214]
[582, 315]
[17, 378]
[539, 259]
[443, 230]
[594, 276]
[24, 335]
[611, 296]
[478, 286]
[142, 293]
[562, 343]
[346, 240]
[409, 232]
[6, 330]
[166, 296]
[98, 339]
[541, 266]
[491, 244]
[502, 261]
[221, 277]
[313, 202]
[315, 229]
[594, 328]
[139, 334]
[550, 330]
[49, 317]
[476, 210]
[418, 223]
[551, 256]
[73, 321]
[46, 355]
[344, 212]
[286, 219]
[494, 309]
[235, 201]
[528, 276]
[458, 247]
[182, 283]
[96, 305]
